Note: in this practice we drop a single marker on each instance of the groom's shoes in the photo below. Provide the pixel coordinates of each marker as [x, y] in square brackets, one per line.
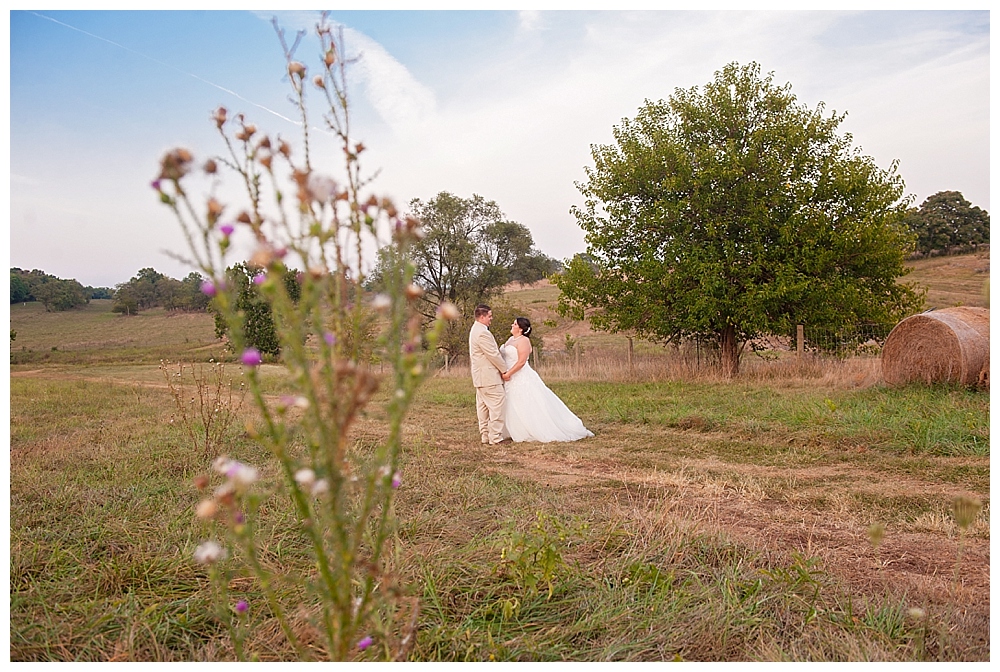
[503, 441]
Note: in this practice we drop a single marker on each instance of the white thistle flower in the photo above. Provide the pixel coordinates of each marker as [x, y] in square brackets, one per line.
[209, 552]
[305, 477]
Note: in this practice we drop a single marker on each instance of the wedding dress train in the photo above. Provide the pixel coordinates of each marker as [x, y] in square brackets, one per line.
[533, 412]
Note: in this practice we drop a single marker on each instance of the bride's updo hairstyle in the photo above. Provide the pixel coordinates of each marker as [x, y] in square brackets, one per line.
[525, 325]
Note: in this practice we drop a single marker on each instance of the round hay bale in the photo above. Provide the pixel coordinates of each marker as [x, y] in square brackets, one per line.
[984, 374]
[951, 345]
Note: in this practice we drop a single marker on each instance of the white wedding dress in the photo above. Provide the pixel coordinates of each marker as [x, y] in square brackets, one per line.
[533, 412]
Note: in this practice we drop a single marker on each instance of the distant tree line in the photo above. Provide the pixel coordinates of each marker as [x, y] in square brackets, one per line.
[52, 292]
[150, 288]
[947, 223]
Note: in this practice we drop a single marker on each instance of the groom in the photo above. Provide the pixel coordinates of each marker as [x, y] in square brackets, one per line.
[487, 367]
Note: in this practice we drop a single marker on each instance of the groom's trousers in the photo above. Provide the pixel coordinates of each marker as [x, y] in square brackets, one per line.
[489, 408]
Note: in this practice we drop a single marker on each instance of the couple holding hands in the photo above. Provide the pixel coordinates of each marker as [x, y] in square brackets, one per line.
[512, 402]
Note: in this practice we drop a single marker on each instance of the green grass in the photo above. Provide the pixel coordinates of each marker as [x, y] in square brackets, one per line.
[93, 334]
[102, 528]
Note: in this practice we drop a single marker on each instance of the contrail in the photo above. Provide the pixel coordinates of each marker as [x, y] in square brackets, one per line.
[167, 65]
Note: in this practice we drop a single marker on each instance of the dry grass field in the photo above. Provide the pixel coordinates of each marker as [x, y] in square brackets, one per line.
[705, 520]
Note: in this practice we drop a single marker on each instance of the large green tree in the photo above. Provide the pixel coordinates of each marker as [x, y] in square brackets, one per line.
[946, 220]
[731, 211]
[468, 253]
[253, 307]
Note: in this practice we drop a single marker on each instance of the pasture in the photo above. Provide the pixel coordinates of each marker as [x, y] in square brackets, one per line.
[706, 520]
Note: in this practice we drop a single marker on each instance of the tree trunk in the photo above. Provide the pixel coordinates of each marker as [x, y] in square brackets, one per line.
[729, 352]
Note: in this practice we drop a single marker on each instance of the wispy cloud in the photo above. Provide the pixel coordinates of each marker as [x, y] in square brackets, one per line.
[400, 100]
[529, 20]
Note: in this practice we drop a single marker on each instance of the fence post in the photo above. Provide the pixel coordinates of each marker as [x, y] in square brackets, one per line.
[801, 340]
[631, 367]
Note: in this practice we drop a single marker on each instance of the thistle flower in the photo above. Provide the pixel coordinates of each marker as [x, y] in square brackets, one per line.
[174, 165]
[208, 553]
[296, 69]
[414, 291]
[259, 279]
[221, 464]
[305, 477]
[318, 81]
[397, 480]
[241, 607]
[382, 302]
[330, 338]
[251, 357]
[365, 643]
[211, 167]
[214, 209]
[206, 509]
[155, 184]
[241, 474]
[220, 117]
[227, 230]
[448, 311]
[208, 288]
[321, 187]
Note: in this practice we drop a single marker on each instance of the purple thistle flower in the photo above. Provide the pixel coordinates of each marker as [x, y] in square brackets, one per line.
[251, 357]
[239, 518]
[329, 338]
[365, 643]
[155, 184]
[208, 288]
[397, 480]
[227, 230]
[259, 279]
[242, 607]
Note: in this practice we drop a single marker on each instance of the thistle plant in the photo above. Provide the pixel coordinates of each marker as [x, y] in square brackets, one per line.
[207, 400]
[341, 492]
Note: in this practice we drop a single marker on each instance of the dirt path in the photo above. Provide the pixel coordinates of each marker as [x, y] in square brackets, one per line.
[918, 565]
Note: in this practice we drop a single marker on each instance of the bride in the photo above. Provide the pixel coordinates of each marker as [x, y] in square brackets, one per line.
[532, 411]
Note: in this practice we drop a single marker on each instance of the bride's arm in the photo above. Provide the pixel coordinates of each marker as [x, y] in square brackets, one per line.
[523, 346]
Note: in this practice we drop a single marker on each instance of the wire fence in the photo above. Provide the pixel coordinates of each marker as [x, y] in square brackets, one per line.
[811, 351]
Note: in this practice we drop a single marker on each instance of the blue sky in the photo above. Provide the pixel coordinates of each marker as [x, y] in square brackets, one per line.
[504, 104]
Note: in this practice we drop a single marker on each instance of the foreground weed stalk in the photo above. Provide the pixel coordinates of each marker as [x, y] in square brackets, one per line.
[213, 406]
[341, 494]
[965, 510]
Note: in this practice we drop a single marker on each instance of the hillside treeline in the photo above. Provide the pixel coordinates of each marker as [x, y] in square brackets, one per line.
[52, 292]
[148, 289]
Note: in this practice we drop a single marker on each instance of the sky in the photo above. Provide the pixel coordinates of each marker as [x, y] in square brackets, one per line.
[504, 104]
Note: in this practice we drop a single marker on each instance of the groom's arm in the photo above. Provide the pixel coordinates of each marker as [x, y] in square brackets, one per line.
[491, 351]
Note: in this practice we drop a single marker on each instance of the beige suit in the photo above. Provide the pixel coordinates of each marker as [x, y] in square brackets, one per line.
[487, 365]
